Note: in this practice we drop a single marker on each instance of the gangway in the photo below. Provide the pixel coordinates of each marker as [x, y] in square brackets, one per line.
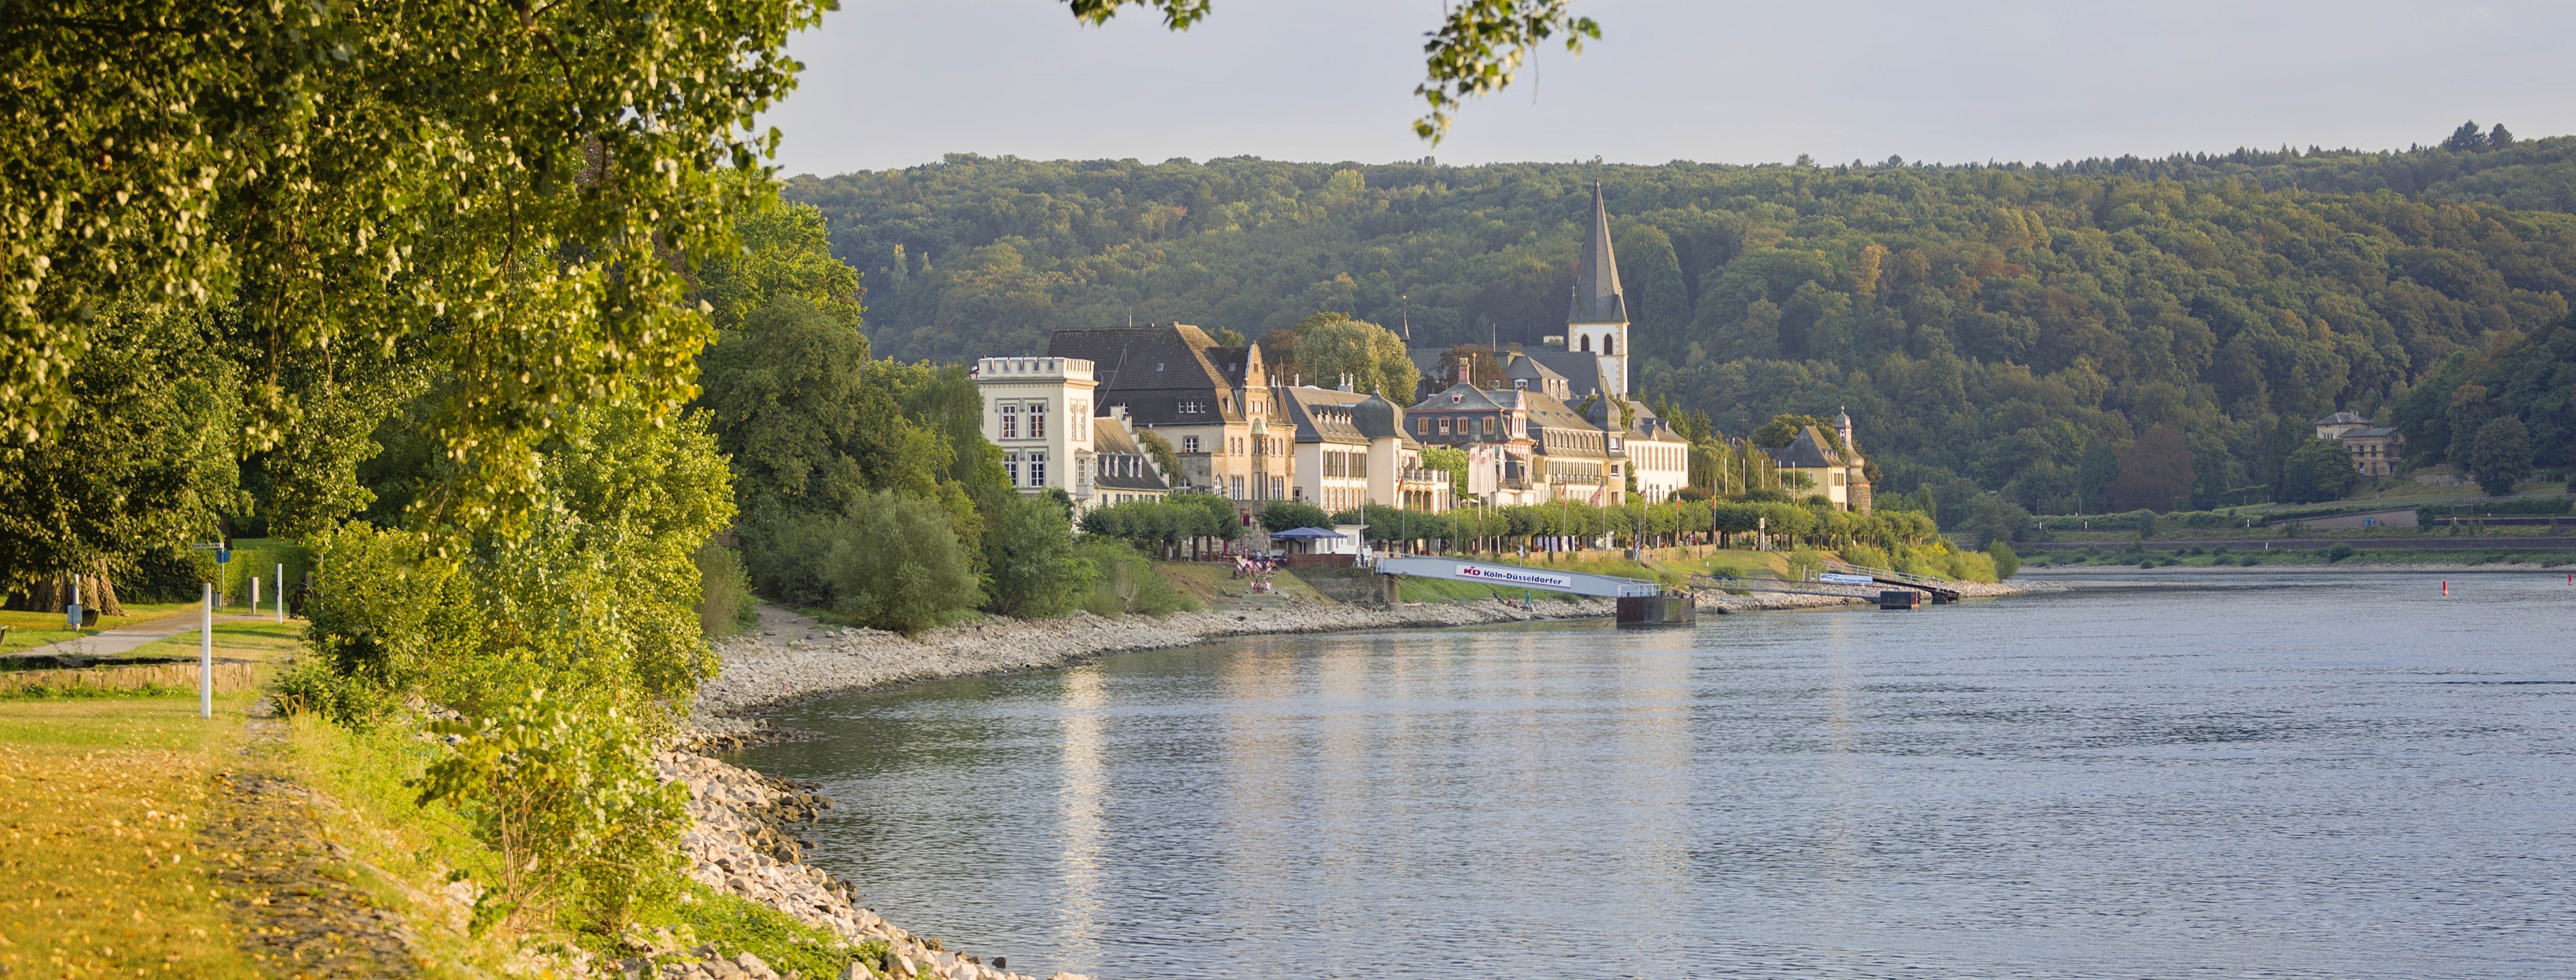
[1642, 602]
[1941, 591]
[1521, 577]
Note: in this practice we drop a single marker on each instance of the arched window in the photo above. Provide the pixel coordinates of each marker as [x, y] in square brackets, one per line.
[1587, 343]
[1609, 345]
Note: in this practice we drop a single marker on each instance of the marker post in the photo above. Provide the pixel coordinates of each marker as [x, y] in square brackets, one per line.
[206, 655]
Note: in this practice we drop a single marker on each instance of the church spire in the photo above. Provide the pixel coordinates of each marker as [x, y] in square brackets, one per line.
[1597, 297]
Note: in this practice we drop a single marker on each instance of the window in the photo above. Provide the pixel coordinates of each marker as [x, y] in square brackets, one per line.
[1422, 425]
[1037, 420]
[1189, 444]
[1609, 346]
[1278, 487]
[1037, 469]
[1587, 343]
[1489, 425]
[1444, 425]
[1011, 468]
[1193, 406]
[1010, 420]
[1237, 483]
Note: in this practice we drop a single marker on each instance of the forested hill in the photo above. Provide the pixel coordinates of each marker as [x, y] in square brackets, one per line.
[2014, 326]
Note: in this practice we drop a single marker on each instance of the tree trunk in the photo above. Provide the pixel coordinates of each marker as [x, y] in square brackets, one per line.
[51, 595]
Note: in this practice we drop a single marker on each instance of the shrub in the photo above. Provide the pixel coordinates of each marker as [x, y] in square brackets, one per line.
[571, 804]
[1031, 562]
[725, 605]
[1127, 583]
[895, 564]
[2006, 561]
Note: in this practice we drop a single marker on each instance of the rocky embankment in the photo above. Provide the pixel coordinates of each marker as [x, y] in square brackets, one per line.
[792, 657]
[745, 844]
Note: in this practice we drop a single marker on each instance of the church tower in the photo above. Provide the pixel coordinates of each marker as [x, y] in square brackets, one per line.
[1597, 322]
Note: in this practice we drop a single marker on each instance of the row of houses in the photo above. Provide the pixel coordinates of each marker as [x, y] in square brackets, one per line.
[1076, 420]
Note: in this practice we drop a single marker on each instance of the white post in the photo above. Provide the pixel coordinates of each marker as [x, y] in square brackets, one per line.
[254, 593]
[206, 655]
[281, 592]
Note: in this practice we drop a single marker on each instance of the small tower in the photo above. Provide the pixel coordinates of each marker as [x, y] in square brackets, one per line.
[1842, 428]
[1597, 320]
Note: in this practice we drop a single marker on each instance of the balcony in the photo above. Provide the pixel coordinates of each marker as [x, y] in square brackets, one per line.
[1422, 476]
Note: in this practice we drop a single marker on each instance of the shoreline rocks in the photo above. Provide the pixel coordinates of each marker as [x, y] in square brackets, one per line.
[744, 844]
[790, 657]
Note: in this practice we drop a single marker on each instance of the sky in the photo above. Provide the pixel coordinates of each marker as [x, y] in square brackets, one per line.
[894, 83]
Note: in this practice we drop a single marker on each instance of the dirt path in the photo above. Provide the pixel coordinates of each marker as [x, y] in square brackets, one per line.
[290, 888]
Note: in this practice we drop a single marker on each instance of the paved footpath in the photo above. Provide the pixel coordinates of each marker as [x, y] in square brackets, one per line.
[131, 636]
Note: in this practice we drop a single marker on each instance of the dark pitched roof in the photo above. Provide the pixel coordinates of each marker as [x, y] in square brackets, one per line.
[1154, 371]
[1597, 297]
[1119, 455]
[2343, 418]
[2373, 433]
[1581, 370]
[1325, 416]
[1811, 449]
[1559, 431]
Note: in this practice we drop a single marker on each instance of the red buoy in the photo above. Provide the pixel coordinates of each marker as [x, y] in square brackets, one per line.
[2446, 587]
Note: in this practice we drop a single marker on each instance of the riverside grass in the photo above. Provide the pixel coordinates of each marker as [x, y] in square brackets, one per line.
[101, 800]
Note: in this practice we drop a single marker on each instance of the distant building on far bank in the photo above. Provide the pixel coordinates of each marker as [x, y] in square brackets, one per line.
[2375, 449]
[1038, 410]
[1832, 465]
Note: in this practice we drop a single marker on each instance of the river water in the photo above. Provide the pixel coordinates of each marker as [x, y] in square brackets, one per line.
[2327, 775]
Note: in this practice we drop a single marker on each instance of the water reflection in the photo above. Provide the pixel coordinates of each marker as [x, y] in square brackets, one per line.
[1080, 805]
[2349, 776]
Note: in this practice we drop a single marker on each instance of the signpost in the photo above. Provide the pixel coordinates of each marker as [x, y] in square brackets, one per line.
[281, 592]
[206, 632]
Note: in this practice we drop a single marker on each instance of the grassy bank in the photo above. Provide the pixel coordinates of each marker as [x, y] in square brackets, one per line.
[132, 830]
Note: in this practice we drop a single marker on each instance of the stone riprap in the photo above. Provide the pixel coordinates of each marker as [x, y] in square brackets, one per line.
[791, 657]
[743, 844]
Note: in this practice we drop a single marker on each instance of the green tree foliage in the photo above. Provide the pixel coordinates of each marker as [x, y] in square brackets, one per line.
[571, 803]
[1993, 324]
[144, 460]
[2533, 380]
[1783, 430]
[2007, 561]
[1161, 527]
[1477, 49]
[2155, 472]
[1450, 461]
[1281, 515]
[1330, 345]
[484, 188]
[894, 563]
[1033, 569]
[594, 600]
[2319, 470]
[2501, 455]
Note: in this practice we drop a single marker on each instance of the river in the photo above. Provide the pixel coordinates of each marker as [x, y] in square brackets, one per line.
[2258, 774]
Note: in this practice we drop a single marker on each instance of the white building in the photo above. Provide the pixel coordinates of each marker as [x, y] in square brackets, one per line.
[1038, 410]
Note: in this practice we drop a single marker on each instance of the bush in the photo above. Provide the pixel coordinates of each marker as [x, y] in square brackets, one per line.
[725, 605]
[1127, 583]
[1031, 561]
[2006, 561]
[895, 564]
[572, 805]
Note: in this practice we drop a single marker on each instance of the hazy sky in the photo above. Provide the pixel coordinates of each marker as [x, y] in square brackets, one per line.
[890, 83]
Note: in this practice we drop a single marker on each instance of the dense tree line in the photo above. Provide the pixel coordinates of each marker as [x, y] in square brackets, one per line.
[2018, 329]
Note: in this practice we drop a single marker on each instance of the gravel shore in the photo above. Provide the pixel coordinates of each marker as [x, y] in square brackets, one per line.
[791, 657]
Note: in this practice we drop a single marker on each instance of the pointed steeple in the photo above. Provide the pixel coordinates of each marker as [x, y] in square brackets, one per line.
[1597, 297]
